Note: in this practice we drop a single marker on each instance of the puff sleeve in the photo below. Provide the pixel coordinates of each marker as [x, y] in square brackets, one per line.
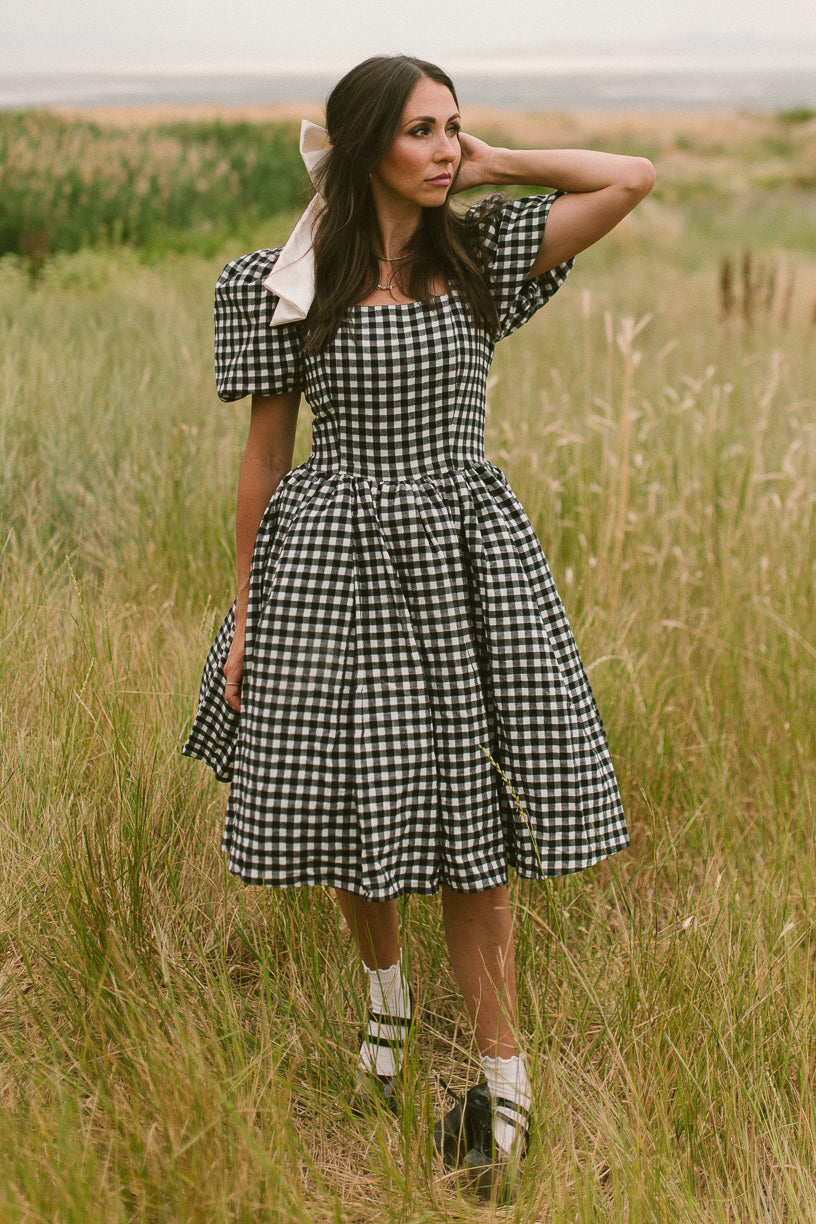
[509, 238]
[252, 358]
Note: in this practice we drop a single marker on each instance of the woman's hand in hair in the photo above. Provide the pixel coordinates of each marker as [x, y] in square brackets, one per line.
[475, 166]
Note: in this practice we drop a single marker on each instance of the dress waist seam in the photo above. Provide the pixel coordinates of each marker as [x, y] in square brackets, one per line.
[314, 465]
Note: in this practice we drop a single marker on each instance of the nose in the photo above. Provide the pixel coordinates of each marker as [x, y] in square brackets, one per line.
[447, 148]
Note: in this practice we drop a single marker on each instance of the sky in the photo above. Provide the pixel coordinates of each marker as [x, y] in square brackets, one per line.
[84, 35]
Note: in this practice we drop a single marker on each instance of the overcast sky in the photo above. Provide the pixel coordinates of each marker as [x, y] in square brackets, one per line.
[116, 34]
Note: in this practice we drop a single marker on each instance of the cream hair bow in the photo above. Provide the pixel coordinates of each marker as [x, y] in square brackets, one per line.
[293, 276]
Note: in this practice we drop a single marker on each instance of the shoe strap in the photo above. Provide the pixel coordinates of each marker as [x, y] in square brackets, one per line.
[387, 1030]
[385, 1018]
[522, 1119]
[383, 1036]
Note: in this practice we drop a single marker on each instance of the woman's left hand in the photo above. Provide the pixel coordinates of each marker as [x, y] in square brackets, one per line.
[474, 168]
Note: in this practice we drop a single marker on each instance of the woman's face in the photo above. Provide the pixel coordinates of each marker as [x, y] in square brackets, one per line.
[421, 164]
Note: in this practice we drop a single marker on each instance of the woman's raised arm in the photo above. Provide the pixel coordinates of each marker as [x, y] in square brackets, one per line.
[602, 188]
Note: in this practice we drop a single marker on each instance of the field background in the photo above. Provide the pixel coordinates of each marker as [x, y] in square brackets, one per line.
[174, 1048]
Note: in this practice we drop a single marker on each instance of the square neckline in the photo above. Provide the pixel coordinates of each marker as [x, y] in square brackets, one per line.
[438, 297]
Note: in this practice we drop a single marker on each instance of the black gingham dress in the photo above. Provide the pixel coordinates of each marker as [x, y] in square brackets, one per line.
[403, 626]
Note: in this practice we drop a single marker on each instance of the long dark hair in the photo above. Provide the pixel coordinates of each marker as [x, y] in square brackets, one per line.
[363, 114]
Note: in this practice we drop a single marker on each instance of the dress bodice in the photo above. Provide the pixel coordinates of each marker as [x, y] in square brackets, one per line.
[401, 390]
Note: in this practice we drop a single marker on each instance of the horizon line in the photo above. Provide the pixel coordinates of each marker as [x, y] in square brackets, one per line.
[611, 61]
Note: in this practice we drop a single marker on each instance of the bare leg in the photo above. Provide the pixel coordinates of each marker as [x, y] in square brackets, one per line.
[375, 926]
[479, 931]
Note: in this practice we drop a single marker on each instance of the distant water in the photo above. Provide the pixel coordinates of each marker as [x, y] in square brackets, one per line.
[556, 85]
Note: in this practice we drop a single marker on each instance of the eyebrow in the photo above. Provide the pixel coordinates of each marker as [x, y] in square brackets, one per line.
[431, 118]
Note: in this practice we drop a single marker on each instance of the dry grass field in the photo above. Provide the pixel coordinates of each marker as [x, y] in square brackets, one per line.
[175, 1049]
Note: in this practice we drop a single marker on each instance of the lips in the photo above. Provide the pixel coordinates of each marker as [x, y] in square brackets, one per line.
[441, 180]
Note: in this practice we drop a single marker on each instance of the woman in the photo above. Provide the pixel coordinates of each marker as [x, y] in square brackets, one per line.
[398, 662]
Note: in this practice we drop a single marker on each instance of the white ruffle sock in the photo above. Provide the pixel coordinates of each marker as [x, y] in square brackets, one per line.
[389, 1020]
[510, 1095]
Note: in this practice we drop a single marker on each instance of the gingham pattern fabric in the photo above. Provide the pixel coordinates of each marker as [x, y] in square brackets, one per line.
[403, 625]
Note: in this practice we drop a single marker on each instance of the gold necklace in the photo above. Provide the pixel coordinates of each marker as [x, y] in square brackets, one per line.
[392, 260]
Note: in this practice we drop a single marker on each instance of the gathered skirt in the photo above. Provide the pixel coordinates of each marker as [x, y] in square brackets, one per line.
[414, 710]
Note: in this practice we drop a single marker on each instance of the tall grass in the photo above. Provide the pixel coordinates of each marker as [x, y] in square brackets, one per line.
[191, 185]
[176, 1048]
[69, 184]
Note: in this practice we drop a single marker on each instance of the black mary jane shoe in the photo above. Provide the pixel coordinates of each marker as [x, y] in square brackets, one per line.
[372, 1091]
[451, 1133]
[464, 1139]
